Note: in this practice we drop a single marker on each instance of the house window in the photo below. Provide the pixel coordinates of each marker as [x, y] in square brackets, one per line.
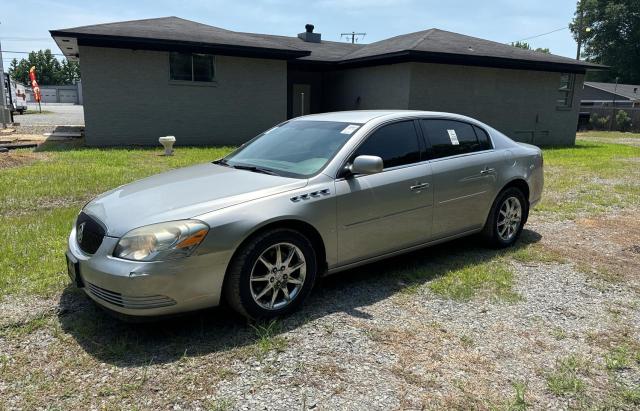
[191, 67]
[565, 97]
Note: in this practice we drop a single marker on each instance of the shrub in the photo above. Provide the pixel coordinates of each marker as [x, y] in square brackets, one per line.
[598, 122]
[623, 121]
[603, 122]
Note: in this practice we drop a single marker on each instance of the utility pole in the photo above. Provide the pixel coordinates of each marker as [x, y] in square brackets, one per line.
[580, 18]
[353, 36]
[613, 107]
[3, 106]
[581, 28]
[4, 112]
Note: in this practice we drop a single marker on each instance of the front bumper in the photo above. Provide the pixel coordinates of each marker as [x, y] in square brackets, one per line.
[149, 288]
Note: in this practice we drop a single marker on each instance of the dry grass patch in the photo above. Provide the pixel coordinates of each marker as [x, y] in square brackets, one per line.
[18, 158]
[607, 245]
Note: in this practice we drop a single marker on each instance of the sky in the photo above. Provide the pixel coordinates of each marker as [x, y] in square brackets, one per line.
[25, 24]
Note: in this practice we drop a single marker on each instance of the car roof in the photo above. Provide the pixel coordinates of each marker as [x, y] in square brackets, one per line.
[365, 116]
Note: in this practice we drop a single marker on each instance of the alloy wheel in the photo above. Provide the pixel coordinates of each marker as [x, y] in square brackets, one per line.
[277, 276]
[509, 218]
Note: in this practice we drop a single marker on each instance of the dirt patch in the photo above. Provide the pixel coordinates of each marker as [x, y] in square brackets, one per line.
[17, 311]
[18, 158]
[607, 245]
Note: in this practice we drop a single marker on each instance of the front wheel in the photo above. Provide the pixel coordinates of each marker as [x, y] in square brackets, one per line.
[506, 219]
[271, 275]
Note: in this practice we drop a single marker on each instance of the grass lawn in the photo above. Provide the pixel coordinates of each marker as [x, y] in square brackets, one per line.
[40, 199]
[590, 177]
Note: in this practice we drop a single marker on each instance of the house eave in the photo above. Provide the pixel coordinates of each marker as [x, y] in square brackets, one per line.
[137, 43]
[468, 60]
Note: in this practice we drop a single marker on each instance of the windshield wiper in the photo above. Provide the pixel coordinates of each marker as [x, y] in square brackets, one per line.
[222, 162]
[254, 169]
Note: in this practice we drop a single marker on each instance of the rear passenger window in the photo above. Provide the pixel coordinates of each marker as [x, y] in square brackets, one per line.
[449, 137]
[397, 144]
[483, 138]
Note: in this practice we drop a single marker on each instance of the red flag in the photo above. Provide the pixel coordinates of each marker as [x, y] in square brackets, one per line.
[34, 84]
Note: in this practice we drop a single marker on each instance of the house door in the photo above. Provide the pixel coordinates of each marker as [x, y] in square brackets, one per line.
[301, 100]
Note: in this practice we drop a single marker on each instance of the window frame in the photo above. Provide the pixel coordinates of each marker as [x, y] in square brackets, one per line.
[213, 80]
[422, 146]
[473, 127]
[569, 92]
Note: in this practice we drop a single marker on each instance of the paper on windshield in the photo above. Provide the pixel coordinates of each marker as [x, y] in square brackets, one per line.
[350, 129]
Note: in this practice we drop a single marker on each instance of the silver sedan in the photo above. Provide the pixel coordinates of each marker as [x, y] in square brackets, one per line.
[312, 196]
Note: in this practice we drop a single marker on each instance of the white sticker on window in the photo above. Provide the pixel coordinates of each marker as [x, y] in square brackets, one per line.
[350, 129]
[453, 137]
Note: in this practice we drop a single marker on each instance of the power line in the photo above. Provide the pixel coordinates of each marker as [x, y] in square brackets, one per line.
[27, 52]
[543, 34]
[25, 38]
[354, 36]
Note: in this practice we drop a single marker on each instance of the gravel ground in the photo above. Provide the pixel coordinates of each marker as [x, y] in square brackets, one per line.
[365, 340]
[60, 115]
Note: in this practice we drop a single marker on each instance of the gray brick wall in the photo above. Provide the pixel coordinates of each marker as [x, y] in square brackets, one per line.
[379, 87]
[519, 103]
[129, 99]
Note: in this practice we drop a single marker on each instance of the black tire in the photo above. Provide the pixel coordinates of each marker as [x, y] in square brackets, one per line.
[237, 285]
[490, 231]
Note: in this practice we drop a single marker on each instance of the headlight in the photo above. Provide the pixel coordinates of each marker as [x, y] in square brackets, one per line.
[164, 241]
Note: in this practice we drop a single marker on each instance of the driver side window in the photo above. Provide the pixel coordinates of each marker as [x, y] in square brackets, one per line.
[397, 144]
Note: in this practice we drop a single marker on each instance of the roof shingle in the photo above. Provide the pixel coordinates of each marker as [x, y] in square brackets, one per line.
[432, 43]
[628, 91]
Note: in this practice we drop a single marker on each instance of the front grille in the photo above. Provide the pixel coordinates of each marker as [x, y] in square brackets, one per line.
[89, 233]
[124, 301]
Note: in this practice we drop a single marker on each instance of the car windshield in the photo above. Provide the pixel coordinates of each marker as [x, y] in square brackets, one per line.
[295, 148]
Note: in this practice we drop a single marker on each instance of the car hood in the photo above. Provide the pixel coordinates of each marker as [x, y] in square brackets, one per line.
[182, 193]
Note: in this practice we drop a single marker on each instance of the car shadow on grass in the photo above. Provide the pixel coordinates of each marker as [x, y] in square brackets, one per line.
[221, 331]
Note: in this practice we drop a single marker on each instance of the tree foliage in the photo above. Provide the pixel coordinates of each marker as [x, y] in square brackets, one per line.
[610, 34]
[49, 70]
[526, 46]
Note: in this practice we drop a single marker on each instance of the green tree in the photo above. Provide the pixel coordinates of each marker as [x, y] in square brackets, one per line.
[49, 70]
[610, 34]
[526, 46]
[69, 72]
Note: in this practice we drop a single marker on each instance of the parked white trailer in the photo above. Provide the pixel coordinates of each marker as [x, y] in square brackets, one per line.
[15, 94]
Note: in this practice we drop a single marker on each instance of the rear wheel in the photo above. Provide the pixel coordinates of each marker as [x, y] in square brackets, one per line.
[506, 219]
[271, 275]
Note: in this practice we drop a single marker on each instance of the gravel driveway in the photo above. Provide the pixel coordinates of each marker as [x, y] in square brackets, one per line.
[53, 115]
[367, 339]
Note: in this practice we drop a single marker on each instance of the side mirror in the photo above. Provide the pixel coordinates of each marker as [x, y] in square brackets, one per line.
[366, 165]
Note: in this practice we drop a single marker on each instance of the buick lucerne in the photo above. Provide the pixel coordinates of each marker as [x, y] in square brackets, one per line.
[312, 196]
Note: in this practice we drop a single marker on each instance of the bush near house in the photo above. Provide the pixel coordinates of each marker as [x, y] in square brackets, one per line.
[623, 121]
[599, 122]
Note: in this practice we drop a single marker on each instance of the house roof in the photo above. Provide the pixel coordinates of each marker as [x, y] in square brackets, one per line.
[440, 43]
[628, 91]
[325, 51]
[173, 33]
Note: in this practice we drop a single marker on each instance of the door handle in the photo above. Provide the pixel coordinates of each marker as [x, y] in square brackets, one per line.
[487, 170]
[419, 186]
